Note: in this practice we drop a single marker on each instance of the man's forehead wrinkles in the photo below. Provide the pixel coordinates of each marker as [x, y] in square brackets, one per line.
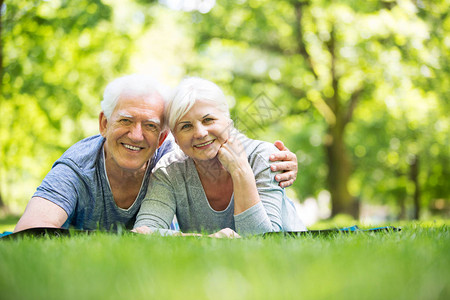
[156, 121]
[148, 115]
[125, 115]
[152, 120]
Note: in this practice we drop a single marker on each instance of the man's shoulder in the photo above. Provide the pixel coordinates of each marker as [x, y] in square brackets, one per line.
[167, 146]
[84, 153]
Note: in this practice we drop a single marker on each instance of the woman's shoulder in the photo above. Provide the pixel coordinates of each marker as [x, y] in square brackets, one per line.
[257, 147]
[174, 161]
[258, 153]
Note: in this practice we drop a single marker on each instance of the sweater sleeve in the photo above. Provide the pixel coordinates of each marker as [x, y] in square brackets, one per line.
[159, 205]
[266, 215]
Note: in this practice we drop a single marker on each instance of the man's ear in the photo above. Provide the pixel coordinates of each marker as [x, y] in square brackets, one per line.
[102, 124]
[163, 136]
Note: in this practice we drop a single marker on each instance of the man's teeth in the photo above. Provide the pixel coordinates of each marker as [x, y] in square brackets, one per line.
[204, 144]
[131, 147]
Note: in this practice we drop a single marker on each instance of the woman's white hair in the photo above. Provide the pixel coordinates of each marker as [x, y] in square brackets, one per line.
[131, 85]
[187, 93]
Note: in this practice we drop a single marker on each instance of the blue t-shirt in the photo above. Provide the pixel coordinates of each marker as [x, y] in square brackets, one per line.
[78, 184]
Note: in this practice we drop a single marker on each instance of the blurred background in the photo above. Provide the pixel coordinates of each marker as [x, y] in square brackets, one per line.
[359, 90]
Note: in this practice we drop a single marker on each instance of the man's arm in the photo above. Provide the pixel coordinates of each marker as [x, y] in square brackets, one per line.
[41, 213]
[287, 162]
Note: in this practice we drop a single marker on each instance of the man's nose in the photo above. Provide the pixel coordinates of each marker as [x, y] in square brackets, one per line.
[136, 133]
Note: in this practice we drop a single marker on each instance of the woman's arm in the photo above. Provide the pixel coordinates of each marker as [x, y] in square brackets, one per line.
[250, 216]
[279, 208]
[158, 207]
[233, 158]
[262, 212]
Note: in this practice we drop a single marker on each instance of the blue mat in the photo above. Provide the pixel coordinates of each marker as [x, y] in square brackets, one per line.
[44, 231]
[5, 233]
[345, 230]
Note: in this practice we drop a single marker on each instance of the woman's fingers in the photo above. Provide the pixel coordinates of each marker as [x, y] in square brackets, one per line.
[142, 229]
[225, 233]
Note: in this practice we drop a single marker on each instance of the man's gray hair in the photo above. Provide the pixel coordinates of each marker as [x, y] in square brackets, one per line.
[131, 85]
[187, 92]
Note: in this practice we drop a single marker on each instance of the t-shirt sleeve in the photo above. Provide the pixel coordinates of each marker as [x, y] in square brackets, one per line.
[166, 147]
[266, 216]
[61, 186]
[159, 205]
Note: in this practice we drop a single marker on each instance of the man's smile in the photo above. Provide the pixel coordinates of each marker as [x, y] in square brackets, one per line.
[130, 147]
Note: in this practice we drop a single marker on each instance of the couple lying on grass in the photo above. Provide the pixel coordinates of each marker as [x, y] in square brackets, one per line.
[216, 180]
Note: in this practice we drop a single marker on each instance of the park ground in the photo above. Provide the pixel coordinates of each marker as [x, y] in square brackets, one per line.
[411, 264]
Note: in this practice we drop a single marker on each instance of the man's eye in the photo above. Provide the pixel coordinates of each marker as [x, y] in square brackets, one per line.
[125, 121]
[151, 127]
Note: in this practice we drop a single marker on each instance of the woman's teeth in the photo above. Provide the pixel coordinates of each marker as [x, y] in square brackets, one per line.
[204, 144]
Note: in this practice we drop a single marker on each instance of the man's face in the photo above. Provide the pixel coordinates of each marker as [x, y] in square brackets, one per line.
[133, 132]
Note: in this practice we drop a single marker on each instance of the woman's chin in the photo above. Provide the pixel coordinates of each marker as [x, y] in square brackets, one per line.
[205, 157]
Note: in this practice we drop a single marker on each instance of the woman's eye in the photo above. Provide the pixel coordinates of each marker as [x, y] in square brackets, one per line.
[186, 126]
[208, 120]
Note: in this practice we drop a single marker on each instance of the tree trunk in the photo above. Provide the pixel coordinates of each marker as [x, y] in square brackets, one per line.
[339, 163]
[401, 204]
[414, 175]
[340, 169]
[2, 204]
[1, 48]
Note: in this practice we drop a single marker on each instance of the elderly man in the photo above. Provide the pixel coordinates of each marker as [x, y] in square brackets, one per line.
[100, 182]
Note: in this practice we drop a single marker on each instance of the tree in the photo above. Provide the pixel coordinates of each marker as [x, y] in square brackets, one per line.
[339, 57]
[57, 58]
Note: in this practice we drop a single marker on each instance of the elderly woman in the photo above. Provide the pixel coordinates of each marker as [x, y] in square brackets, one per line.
[220, 178]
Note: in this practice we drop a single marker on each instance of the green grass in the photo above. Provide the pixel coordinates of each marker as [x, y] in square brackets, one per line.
[412, 264]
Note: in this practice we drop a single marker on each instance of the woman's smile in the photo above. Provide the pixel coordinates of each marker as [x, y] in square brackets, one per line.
[204, 145]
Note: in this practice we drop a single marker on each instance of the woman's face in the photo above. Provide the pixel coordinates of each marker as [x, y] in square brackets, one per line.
[202, 130]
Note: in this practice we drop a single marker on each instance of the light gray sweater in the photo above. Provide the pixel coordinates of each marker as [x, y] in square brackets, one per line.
[175, 189]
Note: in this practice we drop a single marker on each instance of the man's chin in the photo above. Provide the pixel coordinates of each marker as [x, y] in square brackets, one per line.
[133, 167]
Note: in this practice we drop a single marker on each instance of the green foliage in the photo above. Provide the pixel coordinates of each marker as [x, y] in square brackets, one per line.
[57, 58]
[412, 264]
[7, 223]
[372, 73]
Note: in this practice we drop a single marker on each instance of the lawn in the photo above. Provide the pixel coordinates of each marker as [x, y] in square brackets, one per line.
[411, 264]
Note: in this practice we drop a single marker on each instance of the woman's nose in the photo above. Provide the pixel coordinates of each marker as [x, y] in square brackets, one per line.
[200, 131]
